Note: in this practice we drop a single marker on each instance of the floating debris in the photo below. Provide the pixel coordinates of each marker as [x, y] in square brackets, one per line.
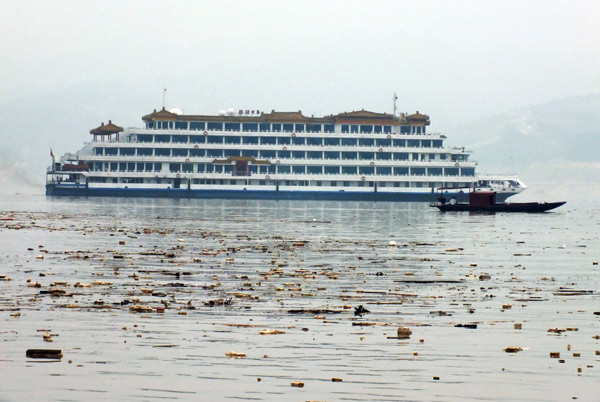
[141, 309]
[271, 332]
[404, 333]
[235, 355]
[219, 302]
[469, 326]
[360, 310]
[232, 279]
[44, 353]
[314, 311]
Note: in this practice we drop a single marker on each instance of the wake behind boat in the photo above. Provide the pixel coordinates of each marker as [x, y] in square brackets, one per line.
[485, 201]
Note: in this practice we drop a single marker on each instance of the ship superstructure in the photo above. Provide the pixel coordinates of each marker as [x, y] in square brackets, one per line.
[359, 155]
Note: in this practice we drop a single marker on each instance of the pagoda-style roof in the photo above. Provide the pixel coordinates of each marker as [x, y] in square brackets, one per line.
[362, 114]
[285, 117]
[242, 159]
[418, 119]
[105, 129]
[162, 114]
[354, 117]
[364, 117]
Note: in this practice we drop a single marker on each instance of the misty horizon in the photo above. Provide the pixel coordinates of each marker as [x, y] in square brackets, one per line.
[477, 69]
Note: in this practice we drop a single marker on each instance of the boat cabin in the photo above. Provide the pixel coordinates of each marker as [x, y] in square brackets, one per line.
[482, 198]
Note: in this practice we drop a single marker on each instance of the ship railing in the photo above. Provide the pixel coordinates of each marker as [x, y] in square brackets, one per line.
[50, 179]
[497, 176]
[312, 146]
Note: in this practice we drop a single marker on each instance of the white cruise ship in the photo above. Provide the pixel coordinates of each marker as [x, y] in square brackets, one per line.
[359, 155]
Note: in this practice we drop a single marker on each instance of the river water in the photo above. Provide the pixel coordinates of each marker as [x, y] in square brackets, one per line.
[145, 298]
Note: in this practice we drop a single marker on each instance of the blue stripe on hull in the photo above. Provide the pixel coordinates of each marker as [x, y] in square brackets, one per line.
[241, 194]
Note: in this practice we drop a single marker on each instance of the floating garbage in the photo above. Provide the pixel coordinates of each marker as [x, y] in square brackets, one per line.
[360, 311]
[141, 309]
[235, 355]
[230, 281]
[271, 332]
[404, 333]
[44, 353]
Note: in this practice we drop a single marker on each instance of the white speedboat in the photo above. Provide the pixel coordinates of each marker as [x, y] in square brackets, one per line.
[503, 185]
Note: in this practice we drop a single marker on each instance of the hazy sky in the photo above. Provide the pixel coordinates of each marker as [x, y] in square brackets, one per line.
[455, 60]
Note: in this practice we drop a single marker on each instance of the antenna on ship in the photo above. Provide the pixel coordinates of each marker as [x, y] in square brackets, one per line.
[164, 92]
[395, 98]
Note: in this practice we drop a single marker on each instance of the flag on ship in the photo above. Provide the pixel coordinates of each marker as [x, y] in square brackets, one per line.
[51, 153]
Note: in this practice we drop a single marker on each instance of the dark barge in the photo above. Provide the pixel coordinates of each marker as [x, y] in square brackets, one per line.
[485, 201]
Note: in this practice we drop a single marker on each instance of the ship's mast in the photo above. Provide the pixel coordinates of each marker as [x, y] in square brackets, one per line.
[395, 98]
[164, 92]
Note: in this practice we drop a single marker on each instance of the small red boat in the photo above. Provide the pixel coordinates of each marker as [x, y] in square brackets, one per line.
[485, 201]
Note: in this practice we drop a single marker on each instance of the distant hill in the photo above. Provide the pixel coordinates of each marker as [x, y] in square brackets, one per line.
[552, 146]
[566, 130]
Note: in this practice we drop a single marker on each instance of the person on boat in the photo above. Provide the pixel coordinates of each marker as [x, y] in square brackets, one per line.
[453, 201]
[442, 200]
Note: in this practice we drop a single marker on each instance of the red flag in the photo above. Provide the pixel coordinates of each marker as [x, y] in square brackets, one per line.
[51, 153]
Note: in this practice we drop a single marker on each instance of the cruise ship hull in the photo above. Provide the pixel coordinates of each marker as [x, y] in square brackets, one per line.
[357, 155]
[70, 190]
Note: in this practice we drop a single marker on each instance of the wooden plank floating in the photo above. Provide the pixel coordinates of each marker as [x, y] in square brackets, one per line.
[44, 353]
